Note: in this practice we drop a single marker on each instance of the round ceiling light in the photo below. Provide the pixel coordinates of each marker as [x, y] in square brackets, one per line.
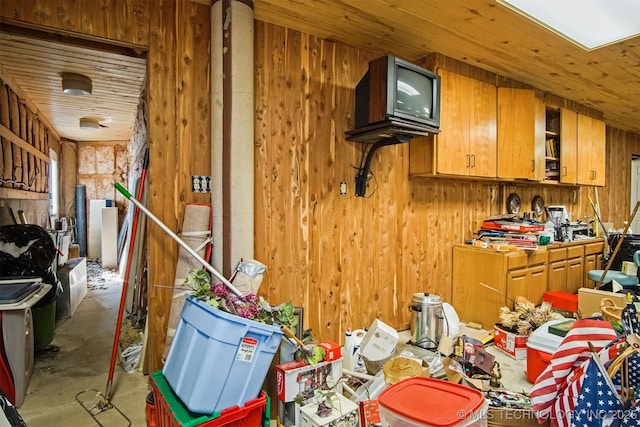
[89, 124]
[76, 84]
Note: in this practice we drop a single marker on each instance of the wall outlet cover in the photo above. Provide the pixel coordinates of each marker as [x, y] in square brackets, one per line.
[200, 184]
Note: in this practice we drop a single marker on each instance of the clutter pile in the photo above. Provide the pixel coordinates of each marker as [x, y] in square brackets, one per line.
[508, 232]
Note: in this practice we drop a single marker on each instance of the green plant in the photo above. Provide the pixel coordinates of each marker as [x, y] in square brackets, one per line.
[248, 306]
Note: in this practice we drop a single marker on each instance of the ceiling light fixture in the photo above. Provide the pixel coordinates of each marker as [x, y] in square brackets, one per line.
[588, 23]
[76, 84]
[89, 124]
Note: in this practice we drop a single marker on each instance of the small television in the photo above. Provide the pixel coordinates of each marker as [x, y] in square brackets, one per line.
[397, 91]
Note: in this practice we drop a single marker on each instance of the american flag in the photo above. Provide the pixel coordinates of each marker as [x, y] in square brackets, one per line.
[555, 391]
[630, 416]
[598, 403]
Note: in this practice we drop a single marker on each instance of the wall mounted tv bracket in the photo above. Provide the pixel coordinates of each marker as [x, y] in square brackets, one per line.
[380, 135]
[363, 172]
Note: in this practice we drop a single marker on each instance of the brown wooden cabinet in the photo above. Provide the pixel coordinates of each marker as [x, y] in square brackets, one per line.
[519, 273]
[530, 283]
[466, 144]
[521, 134]
[503, 133]
[561, 142]
[568, 146]
[566, 268]
[509, 273]
[592, 154]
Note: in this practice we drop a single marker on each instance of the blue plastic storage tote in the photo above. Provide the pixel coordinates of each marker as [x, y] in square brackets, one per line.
[218, 360]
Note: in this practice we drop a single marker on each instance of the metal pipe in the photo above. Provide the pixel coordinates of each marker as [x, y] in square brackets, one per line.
[181, 242]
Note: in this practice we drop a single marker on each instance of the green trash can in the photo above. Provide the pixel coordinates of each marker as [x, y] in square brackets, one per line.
[44, 323]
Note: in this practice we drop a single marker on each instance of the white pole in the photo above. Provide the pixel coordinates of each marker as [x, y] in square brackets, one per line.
[181, 242]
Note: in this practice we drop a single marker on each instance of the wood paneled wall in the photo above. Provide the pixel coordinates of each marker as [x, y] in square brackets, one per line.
[615, 198]
[179, 133]
[121, 21]
[348, 260]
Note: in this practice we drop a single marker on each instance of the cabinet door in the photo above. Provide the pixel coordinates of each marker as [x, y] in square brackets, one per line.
[466, 144]
[530, 283]
[589, 264]
[557, 276]
[473, 302]
[592, 153]
[575, 275]
[452, 143]
[521, 134]
[482, 130]
[568, 146]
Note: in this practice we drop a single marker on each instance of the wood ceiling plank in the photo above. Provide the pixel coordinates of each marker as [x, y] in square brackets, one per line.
[482, 33]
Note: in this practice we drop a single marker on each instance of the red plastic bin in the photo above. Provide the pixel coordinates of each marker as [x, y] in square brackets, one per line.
[170, 412]
[562, 300]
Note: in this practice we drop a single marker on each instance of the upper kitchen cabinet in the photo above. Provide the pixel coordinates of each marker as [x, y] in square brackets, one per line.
[521, 135]
[466, 144]
[561, 145]
[592, 152]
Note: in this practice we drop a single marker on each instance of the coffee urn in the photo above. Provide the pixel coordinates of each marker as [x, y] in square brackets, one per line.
[427, 320]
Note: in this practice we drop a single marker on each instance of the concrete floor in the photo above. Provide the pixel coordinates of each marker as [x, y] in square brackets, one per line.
[82, 363]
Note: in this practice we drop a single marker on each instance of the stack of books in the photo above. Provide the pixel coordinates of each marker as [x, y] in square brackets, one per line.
[510, 233]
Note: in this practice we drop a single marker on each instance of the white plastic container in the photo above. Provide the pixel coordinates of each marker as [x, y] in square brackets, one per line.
[540, 347]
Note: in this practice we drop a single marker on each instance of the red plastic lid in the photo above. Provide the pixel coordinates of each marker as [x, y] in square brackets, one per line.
[431, 401]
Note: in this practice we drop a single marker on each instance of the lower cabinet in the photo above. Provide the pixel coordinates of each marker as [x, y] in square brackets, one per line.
[530, 283]
[566, 268]
[485, 280]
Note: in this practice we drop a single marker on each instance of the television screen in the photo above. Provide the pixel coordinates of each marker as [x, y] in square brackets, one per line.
[398, 92]
[414, 94]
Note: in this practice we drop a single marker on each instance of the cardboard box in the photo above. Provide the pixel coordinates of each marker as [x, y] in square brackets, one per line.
[379, 342]
[511, 343]
[299, 379]
[370, 413]
[331, 350]
[589, 300]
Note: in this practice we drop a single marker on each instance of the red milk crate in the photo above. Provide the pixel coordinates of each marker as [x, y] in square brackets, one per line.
[170, 412]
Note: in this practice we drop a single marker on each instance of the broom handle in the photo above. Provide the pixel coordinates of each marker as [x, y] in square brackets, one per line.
[181, 242]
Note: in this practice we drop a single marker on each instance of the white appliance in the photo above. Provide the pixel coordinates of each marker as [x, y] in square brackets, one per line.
[17, 334]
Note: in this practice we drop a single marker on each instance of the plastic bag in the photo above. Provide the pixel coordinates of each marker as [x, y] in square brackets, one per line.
[247, 276]
[27, 250]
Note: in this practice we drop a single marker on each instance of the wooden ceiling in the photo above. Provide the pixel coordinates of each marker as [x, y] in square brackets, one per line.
[36, 65]
[482, 33]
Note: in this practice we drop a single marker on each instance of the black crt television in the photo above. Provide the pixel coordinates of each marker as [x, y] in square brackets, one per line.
[395, 90]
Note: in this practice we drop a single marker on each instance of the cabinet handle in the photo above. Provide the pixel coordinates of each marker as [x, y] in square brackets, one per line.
[473, 156]
[564, 171]
[468, 156]
[533, 165]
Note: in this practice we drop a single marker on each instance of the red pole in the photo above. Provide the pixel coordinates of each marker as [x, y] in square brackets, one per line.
[125, 282]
